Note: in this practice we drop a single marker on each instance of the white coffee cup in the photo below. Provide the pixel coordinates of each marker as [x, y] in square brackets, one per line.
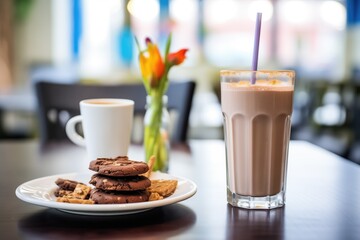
[107, 126]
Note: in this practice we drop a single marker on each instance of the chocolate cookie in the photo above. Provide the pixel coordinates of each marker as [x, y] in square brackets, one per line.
[133, 183]
[113, 197]
[118, 167]
[67, 184]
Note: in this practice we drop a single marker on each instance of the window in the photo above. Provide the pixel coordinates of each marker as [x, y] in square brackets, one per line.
[308, 36]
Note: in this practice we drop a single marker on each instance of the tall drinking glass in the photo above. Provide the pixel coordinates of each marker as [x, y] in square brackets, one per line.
[257, 123]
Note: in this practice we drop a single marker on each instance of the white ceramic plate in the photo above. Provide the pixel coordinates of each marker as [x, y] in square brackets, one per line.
[40, 192]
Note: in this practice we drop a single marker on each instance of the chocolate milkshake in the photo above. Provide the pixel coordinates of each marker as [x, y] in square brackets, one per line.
[257, 131]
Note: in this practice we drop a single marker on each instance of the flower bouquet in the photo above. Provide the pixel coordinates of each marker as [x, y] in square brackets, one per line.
[154, 69]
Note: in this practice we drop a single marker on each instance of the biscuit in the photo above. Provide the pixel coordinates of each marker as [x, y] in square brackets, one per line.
[81, 191]
[74, 200]
[113, 197]
[61, 192]
[154, 196]
[132, 183]
[151, 165]
[118, 167]
[164, 188]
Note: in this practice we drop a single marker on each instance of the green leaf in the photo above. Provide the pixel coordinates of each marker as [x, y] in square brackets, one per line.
[167, 48]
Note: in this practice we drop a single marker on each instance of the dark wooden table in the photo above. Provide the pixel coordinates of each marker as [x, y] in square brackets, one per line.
[323, 198]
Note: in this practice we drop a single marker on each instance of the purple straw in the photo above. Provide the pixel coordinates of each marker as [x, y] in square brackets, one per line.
[256, 47]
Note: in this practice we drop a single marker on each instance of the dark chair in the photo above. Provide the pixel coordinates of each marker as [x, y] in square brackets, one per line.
[57, 103]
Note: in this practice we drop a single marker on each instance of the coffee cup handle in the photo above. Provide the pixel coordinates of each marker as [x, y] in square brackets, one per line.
[71, 131]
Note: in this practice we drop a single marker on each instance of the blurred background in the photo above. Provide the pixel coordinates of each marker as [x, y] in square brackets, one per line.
[92, 41]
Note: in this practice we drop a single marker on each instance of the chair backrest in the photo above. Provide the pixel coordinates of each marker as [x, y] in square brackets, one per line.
[180, 96]
[57, 103]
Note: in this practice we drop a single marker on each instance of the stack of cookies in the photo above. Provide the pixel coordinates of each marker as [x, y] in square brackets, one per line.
[119, 180]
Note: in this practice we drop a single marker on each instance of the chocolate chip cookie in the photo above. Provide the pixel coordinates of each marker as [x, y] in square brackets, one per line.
[66, 184]
[113, 197]
[133, 183]
[118, 167]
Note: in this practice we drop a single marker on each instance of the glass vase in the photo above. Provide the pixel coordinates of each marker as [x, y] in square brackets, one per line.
[156, 132]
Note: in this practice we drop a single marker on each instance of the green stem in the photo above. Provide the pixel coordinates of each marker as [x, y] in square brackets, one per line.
[154, 141]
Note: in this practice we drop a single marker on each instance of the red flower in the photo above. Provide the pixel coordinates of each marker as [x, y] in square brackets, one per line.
[177, 58]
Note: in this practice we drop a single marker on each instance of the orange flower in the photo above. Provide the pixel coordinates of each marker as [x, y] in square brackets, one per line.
[177, 57]
[151, 64]
[154, 68]
[145, 67]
